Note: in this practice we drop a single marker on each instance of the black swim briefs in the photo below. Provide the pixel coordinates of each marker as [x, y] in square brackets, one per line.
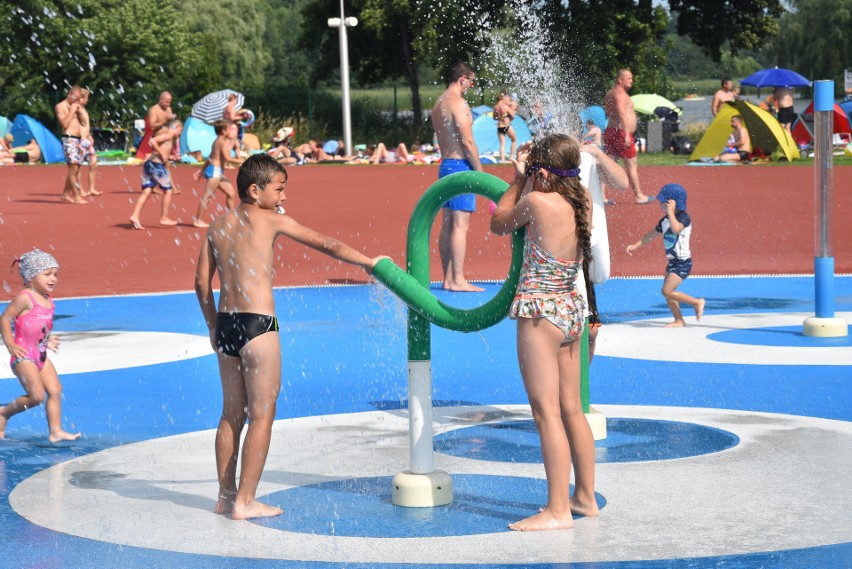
[235, 330]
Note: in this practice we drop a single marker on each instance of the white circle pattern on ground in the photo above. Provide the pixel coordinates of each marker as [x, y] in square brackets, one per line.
[82, 352]
[767, 493]
[649, 340]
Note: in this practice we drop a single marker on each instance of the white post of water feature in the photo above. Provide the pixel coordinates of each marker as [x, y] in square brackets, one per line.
[341, 24]
[824, 324]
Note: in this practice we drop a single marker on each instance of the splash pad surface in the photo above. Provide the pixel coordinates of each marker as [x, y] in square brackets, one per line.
[138, 490]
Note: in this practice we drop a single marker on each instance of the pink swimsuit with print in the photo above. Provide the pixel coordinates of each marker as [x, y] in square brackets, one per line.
[547, 289]
[32, 329]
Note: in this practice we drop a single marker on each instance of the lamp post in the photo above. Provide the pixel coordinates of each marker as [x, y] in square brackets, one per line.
[341, 23]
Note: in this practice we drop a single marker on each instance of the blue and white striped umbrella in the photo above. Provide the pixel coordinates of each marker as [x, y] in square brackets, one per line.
[210, 107]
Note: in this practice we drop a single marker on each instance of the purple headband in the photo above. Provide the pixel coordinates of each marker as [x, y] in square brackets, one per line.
[572, 173]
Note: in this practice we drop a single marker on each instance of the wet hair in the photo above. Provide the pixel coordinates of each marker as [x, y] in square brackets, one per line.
[562, 152]
[459, 70]
[258, 169]
[725, 80]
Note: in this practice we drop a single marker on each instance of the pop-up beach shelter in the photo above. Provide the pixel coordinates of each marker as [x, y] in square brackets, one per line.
[197, 136]
[485, 133]
[25, 128]
[596, 114]
[5, 126]
[767, 134]
[803, 128]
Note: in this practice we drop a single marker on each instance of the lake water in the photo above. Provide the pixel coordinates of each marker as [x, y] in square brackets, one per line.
[698, 109]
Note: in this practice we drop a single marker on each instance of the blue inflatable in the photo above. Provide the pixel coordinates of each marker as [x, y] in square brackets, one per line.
[5, 126]
[485, 133]
[197, 136]
[481, 110]
[25, 128]
[596, 114]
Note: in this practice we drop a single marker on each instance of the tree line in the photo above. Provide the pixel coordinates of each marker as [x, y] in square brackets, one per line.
[285, 58]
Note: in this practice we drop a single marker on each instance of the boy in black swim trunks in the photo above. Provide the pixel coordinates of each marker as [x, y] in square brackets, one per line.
[244, 331]
[675, 227]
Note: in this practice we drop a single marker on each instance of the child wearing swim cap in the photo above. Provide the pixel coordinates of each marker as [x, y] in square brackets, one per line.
[31, 311]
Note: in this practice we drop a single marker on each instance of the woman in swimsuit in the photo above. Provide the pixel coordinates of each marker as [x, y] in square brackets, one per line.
[504, 114]
[32, 313]
[550, 308]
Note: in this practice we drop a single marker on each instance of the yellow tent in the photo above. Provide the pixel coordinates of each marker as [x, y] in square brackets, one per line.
[765, 131]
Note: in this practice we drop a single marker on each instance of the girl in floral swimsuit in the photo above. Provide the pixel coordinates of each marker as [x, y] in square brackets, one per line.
[550, 307]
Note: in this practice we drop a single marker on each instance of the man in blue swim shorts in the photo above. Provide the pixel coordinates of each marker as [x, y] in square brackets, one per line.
[453, 126]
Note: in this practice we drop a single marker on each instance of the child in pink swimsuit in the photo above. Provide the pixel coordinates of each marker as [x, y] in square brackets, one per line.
[547, 199]
[32, 313]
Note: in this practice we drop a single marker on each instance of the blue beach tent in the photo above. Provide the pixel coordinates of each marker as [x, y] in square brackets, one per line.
[197, 136]
[596, 114]
[25, 128]
[485, 133]
[5, 126]
[480, 110]
[847, 108]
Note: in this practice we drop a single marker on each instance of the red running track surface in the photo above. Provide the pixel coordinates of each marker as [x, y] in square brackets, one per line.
[747, 220]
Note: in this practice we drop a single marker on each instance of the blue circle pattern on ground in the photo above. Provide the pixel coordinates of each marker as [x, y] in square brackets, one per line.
[362, 507]
[778, 336]
[628, 440]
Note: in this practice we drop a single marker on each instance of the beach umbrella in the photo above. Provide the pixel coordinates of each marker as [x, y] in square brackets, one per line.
[775, 77]
[210, 107]
[648, 103]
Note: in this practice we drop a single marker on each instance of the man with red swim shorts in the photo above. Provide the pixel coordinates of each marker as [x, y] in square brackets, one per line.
[618, 136]
[619, 144]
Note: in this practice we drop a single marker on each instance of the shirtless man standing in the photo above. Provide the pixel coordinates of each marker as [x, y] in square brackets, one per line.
[618, 136]
[784, 102]
[87, 145]
[453, 126]
[158, 116]
[723, 95]
[70, 114]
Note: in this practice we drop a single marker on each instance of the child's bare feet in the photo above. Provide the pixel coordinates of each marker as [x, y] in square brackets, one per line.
[63, 436]
[254, 509]
[586, 510]
[198, 223]
[168, 222]
[544, 521]
[675, 324]
[225, 504]
[135, 222]
[699, 309]
[95, 193]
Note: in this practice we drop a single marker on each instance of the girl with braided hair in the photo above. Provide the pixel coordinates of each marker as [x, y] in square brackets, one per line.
[550, 307]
